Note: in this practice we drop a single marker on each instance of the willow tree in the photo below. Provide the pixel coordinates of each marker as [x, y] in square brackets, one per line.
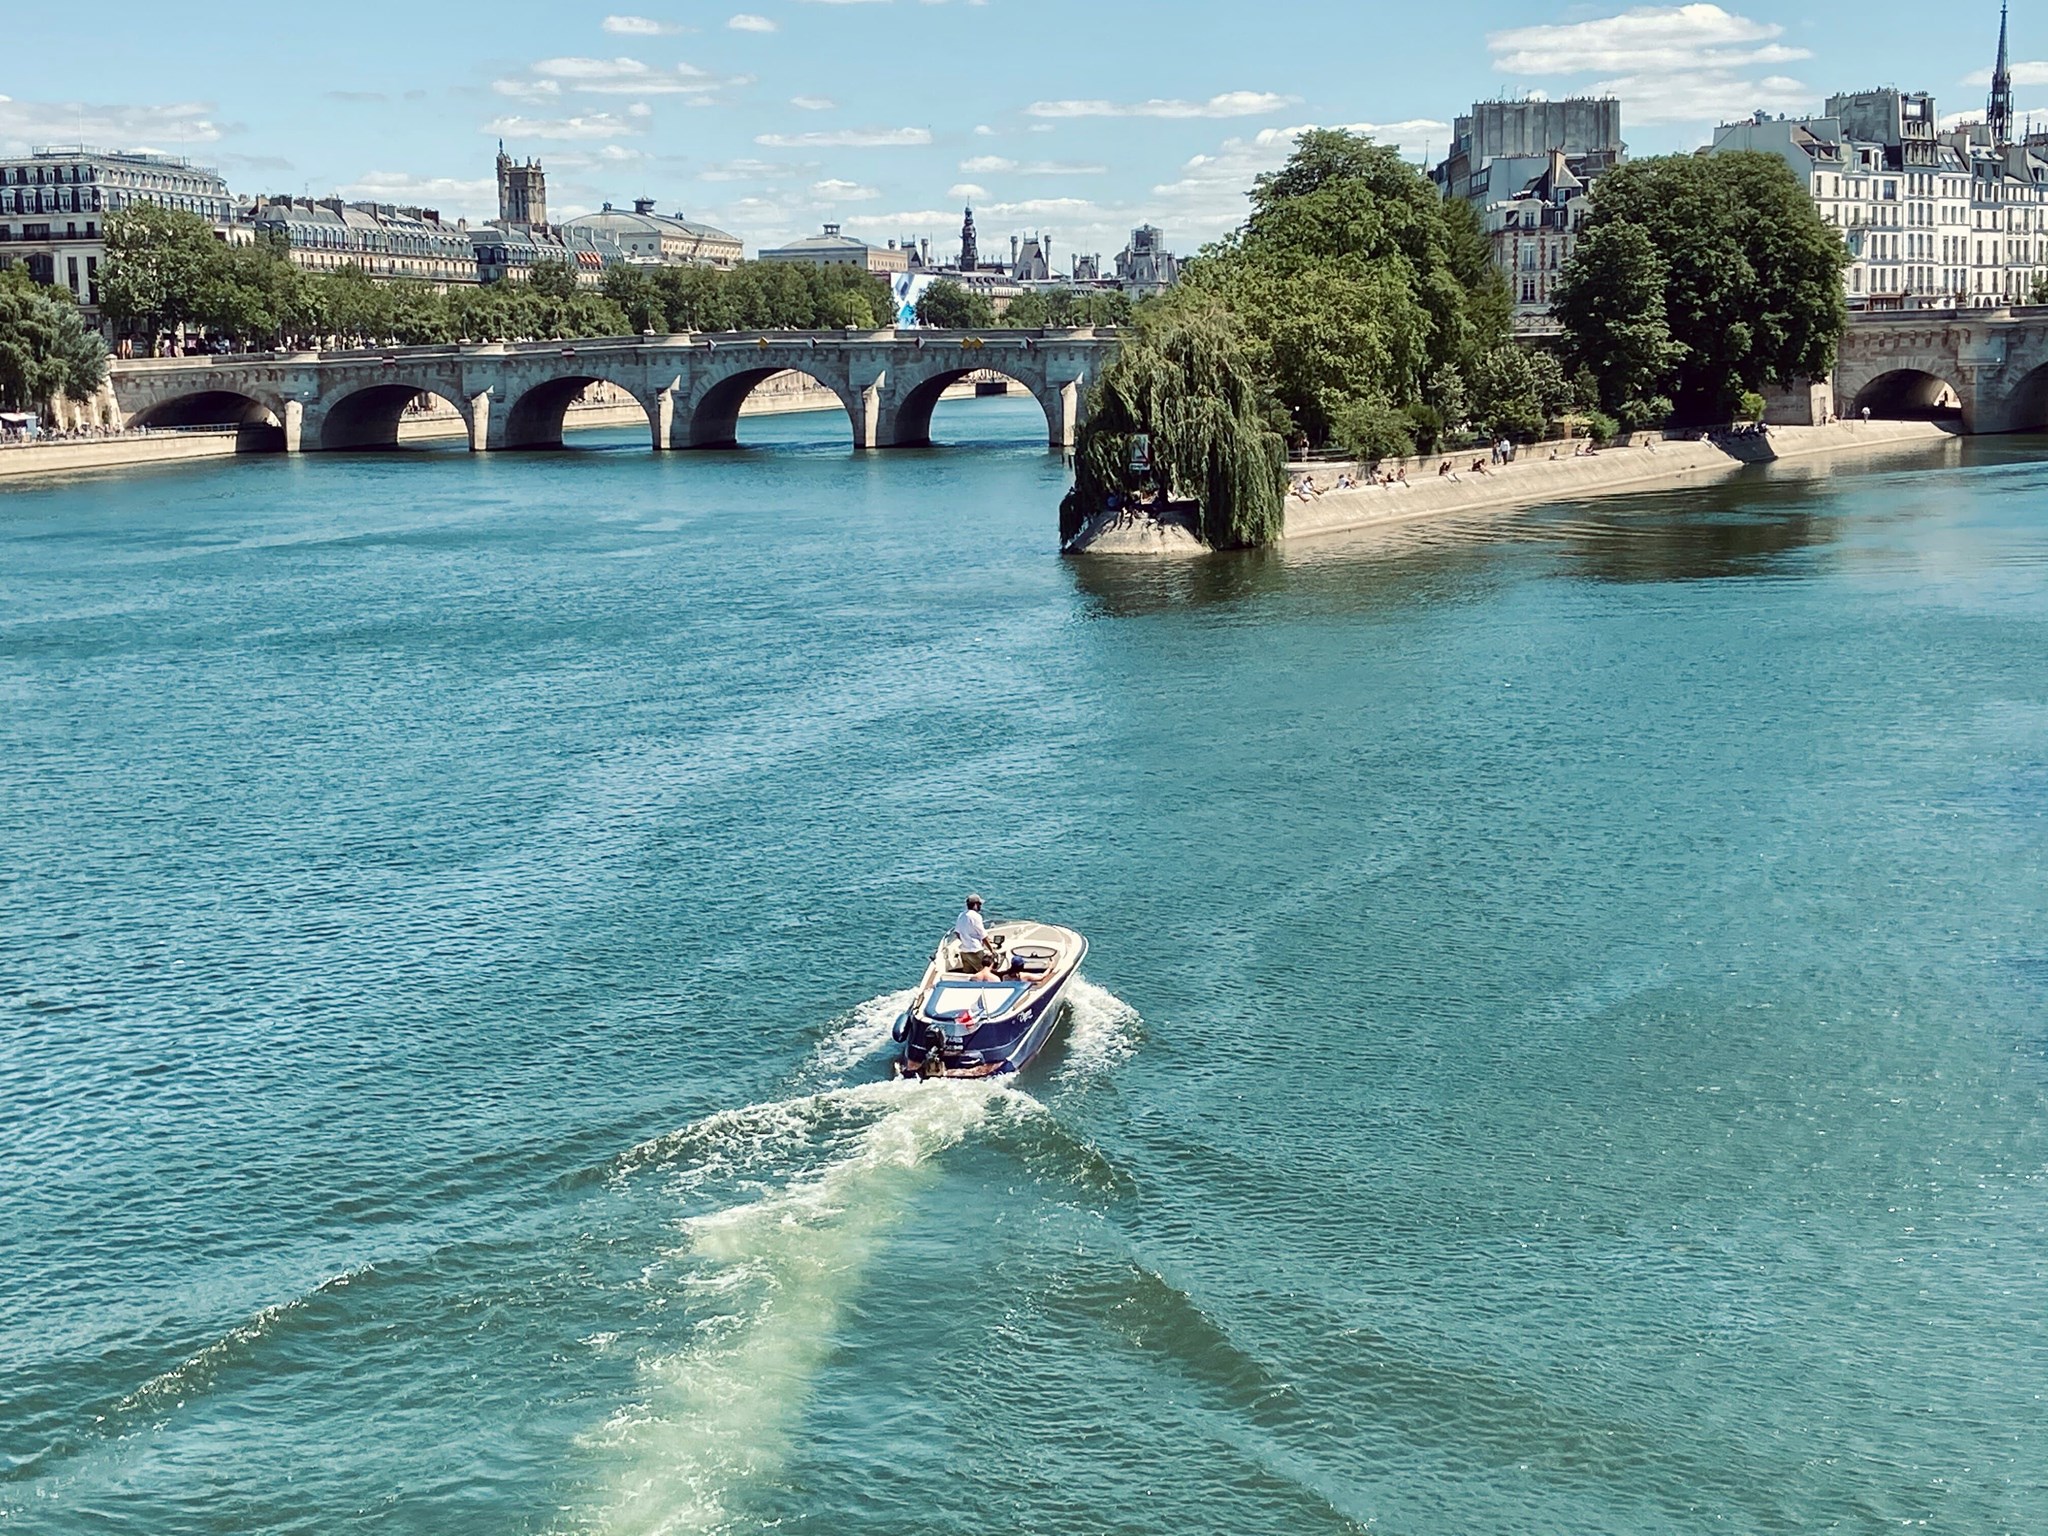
[1184, 381]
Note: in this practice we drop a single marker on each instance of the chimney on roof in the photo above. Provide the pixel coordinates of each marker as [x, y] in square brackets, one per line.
[641, 205]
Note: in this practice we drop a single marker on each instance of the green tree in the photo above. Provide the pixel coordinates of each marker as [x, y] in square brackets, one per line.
[950, 307]
[633, 290]
[357, 310]
[846, 308]
[1063, 308]
[1517, 392]
[554, 279]
[1751, 278]
[159, 264]
[1610, 300]
[1355, 282]
[1186, 381]
[1371, 429]
[46, 349]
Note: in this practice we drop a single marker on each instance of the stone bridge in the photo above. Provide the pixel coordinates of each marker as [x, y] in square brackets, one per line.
[1990, 366]
[515, 395]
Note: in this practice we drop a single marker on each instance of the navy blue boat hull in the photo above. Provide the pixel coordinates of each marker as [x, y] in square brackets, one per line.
[991, 1051]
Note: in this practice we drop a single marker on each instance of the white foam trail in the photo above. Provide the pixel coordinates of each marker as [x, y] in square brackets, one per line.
[1102, 1031]
[770, 1277]
[859, 1033]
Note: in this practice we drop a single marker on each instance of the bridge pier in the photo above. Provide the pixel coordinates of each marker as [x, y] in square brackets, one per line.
[293, 419]
[483, 422]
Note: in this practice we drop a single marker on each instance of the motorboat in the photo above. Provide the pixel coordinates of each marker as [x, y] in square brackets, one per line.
[970, 1019]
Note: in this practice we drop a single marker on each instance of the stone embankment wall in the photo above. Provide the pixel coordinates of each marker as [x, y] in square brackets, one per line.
[1647, 462]
[58, 458]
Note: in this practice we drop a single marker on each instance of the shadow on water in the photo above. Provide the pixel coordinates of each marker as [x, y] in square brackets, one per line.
[1762, 522]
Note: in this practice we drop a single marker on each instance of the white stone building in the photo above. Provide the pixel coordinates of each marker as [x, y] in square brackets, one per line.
[54, 203]
[661, 240]
[381, 240]
[1931, 219]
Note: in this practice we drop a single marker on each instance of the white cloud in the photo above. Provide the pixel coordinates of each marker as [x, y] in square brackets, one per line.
[967, 190]
[1229, 104]
[983, 131]
[848, 138]
[835, 191]
[746, 22]
[27, 123]
[2026, 72]
[984, 165]
[453, 196]
[1672, 64]
[753, 170]
[813, 103]
[547, 79]
[596, 125]
[1209, 197]
[639, 26]
[1647, 38]
[527, 90]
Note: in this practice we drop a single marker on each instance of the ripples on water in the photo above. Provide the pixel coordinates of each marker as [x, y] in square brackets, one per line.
[1574, 1059]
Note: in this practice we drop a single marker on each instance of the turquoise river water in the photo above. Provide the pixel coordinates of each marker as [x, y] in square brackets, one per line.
[1565, 1047]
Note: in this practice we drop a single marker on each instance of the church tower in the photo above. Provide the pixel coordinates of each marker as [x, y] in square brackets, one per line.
[522, 190]
[1999, 118]
[970, 251]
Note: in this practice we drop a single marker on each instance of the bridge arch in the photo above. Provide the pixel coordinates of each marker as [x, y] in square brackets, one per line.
[2025, 406]
[911, 423]
[1908, 394]
[712, 416]
[537, 417]
[258, 421]
[371, 415]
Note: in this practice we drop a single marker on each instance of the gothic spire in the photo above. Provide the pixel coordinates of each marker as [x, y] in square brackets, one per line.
[1999, 118]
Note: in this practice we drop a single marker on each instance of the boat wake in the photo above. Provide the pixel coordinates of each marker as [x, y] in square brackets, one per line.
[1102, 1032]
[784, 1207]
[763, 1282]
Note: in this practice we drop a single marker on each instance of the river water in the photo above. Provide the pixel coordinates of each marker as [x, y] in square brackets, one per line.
[1565, 1047]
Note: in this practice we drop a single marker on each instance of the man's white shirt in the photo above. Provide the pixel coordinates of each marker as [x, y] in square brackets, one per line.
[971, 930]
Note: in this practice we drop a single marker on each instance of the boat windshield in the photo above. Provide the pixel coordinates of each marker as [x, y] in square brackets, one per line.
[950, 999]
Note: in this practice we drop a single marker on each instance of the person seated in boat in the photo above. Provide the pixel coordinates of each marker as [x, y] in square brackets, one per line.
[976, 952]
[1011, 968]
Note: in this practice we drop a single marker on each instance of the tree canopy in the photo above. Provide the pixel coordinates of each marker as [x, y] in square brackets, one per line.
[1699, 279]
[1186, 380]
[1061, 308]
[952, 307]
[1355, 283]
[46, 349]
[166, 269]
[1354, 306]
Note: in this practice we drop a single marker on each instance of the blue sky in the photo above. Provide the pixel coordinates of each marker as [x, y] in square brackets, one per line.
[770, 117]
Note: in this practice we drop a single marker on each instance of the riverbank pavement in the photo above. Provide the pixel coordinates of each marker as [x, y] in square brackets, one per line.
[1649, 461]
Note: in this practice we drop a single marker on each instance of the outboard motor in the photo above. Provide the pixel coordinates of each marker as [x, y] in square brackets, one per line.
[934, 1043]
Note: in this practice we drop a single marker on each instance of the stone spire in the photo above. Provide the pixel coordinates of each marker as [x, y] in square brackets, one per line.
[970, 252]
[1999, 118]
